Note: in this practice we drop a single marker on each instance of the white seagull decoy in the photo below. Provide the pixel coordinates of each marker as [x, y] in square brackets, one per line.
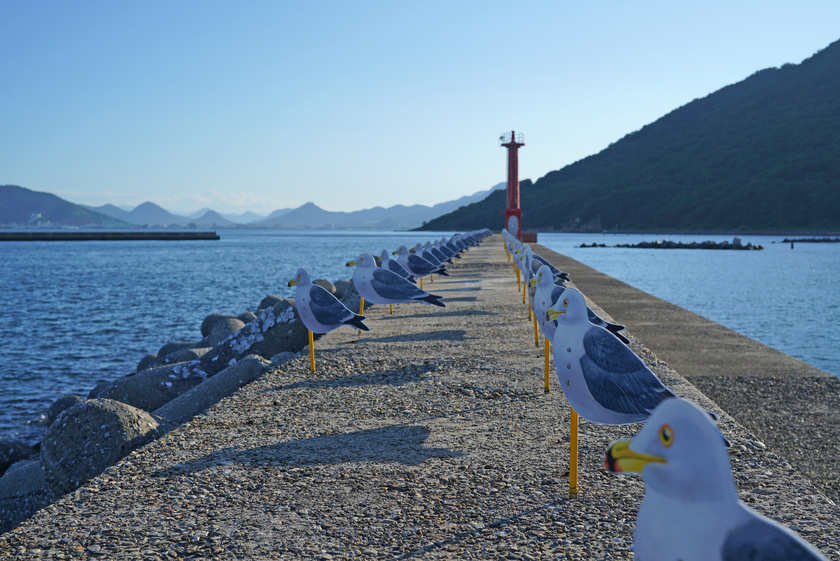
[547, 293]
[691, 509]
[416, 265]
[603, 379]
[386, 262]
[381, 286]
[320, 311]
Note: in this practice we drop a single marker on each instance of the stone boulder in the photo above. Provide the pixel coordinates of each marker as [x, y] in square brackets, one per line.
[221, 330]
[268, 302]
[60, 404]
[151, 388]
[148, 361]
[246, 317]
[343, 287]
[89, 437]
[23, 492]
[276, 330]
[325, 284]
[211, 320]
[12, 452]
[186, 355]
[201, 397]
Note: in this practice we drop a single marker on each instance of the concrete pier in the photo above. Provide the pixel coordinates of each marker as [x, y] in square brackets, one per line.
[430, 437]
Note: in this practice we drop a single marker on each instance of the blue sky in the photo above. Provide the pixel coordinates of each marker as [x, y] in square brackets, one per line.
[261, 105]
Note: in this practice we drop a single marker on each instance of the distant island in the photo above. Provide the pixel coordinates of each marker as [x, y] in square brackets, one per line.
[666, 244]
[759, 156]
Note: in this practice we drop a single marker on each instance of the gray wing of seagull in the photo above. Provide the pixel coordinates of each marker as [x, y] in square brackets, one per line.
[329, 311]
[421, 266]
[613, 328]
[617, 378]
[400, 270]
[391, 285]
[761, 540]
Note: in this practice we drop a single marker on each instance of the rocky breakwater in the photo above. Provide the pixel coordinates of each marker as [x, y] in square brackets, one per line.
[668, 244]
[170, 387]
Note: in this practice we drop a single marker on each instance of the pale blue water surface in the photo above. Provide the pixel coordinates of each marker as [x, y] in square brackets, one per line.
[78, 313]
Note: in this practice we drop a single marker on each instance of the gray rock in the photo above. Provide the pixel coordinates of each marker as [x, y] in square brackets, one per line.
[247, 317]
[222, 329]
[201, 397]
[13, 451]
[89, 437]
[280, 358]
[151, 388]
[325, 284]
[60, 404]
[276, 330]
[343, 288]
[23, 491]
[210, 321]
[148, 361]
[176, 346]
[186, 355]
[268, 302]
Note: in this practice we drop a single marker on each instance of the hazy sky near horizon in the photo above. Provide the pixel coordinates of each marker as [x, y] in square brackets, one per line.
[261, 105]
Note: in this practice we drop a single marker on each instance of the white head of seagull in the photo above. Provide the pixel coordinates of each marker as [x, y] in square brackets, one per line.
[691, 509]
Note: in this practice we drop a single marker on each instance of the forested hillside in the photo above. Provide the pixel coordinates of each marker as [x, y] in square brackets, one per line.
[759, 155]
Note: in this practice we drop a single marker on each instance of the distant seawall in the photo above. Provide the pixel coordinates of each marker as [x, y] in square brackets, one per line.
[75, 236]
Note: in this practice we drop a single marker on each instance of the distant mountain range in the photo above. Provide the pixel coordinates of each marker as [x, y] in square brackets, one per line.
[759, 155]
[24, 208]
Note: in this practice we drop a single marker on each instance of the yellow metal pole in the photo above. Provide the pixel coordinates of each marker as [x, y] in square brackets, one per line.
[311, 352]
[391, 309]
[573, 455]
[361, 312]
[431, 278]
[421, 283]
[518, 287]
[547, 368]
[536, 332]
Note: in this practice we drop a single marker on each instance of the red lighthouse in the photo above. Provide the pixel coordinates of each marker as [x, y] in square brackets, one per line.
[513, 214]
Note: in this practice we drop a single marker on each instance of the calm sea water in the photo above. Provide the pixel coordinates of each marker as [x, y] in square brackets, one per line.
[788, 299]
[78, 313]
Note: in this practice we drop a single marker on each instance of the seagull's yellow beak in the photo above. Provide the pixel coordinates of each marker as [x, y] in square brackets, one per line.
[552, 314]
[532, 282]
[619, 458]
[292, 282]
[353, 263]
[395, 252]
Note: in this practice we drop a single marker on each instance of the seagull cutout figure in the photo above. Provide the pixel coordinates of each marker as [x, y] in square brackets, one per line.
[603, 379]
[416, 265]
[320, 311]
[547, 293]
[381, 286]
[386, 262]
[691, 509]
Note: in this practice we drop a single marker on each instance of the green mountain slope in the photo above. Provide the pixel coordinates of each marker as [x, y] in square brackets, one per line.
[759, 155]
[20, 207]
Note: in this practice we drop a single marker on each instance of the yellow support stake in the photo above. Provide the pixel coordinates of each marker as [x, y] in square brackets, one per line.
[573, 455]
[518, 287]
[421, 283]
[311, 352]
[361, 312]
[536, 332]
[391, 309]
[547, 368]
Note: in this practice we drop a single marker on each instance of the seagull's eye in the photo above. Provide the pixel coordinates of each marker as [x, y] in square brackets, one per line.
[666, 436]
[565, 302]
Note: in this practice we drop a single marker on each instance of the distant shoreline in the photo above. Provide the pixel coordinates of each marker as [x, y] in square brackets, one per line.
[40, 236]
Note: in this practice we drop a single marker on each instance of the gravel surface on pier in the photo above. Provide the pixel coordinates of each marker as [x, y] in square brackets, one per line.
[430, 437]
